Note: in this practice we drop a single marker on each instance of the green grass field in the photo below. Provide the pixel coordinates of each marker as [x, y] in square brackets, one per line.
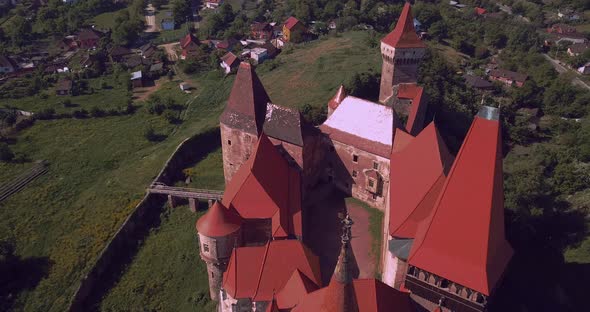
[583, 28]
[106, 20]
[167, 274]
[113, 97]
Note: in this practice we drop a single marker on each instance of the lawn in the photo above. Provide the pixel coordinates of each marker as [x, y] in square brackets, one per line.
[583, 27]
[167, 272]
[99, 168]
[312, 72]
[106, 20]
[114, 96]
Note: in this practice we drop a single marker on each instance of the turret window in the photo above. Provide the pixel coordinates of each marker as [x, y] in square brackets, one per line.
[355, 158]
[205, 248]
[228, 142]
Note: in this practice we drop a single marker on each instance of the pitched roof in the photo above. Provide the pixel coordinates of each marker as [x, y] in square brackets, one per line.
[480, 11]
[119, 51]
[187, 40]
[264, 187]
[260, 26]
[218, 221]
[508, 74]
[370, 295]
[364, 119]
[477, 82]
[418, 171]
[579, 47]
[417, 112]
[404, 35]
[284, 123]
[296, 288]
[463, 238]
[259, 272]
[338, 97]
[246, 107]
[230, 59]
[291, 22]
[64, 84]
[87, 33]
[5, 62]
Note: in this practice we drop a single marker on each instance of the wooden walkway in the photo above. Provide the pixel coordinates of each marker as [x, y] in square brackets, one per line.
[192, 194]
[7, 189]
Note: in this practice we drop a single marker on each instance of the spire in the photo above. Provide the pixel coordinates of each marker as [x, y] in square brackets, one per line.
[338, 98]
[340, 295]
[404, 35]
[247, 102]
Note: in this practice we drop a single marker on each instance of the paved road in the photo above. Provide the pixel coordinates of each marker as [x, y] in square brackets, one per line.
[562, 69]
[150, 19]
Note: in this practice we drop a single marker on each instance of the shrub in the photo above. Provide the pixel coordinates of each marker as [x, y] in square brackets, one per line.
[150, 134]
[46, 114]
[82, 113]
[170, 116]
[25, 123]
[97, 112]
[67, 103]
[156, 108]
[6, 154]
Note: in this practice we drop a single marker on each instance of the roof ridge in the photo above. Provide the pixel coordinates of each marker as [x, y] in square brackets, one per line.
[440, 196]
[261, 269]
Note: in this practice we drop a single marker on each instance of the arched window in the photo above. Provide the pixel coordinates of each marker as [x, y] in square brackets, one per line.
[444, 283]
[480, 298]
[412, 271]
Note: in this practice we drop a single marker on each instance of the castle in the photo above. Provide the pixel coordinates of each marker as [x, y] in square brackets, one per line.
[444, 247]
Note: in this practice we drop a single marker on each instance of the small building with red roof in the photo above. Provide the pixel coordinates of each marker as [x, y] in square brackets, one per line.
[229, 62]
[257, 274]
[480, 11]
[189, 45]
[294, 30]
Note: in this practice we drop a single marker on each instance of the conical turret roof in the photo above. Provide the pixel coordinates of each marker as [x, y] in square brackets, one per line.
[218, 221]
[404, 35]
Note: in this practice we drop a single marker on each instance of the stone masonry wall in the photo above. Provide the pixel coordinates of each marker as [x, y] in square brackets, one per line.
[237, 146]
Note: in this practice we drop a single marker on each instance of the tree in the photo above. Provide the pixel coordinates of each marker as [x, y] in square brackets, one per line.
[6, 154]
[181, 10]
[158, 3]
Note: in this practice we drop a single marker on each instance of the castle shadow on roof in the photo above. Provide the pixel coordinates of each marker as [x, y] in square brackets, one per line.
[445, 247]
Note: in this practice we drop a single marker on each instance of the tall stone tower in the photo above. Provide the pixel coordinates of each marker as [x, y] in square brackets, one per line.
[401, 52]
[219, 232]
[242, 120]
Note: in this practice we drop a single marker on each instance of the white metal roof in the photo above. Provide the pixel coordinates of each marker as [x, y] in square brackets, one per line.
[364, 119]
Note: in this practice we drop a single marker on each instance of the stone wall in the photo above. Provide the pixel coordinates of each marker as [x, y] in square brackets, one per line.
[237, 146]
[122, 247]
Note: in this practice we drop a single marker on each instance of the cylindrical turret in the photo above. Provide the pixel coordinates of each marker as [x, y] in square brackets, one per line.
[219, 232]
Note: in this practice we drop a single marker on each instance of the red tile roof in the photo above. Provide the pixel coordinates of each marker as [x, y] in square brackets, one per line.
[259, 272]
[291, 22]
[404, 35]
[417, 113]
[480, 11]
[370, 295]
[188, 39]
[266, 187]
[272, 307]
[338, 97]
[463, 238]
[230, 59]
[218, 221]
[417, 175]
[296, 288]
[246, 107]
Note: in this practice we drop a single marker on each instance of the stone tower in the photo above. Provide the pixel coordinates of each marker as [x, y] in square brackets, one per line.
[401, 52]
[219, 232]
[242, 120]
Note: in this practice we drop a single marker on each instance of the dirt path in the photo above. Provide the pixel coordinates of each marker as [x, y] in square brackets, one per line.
[150, 19]
[170, 49]
[141, 94]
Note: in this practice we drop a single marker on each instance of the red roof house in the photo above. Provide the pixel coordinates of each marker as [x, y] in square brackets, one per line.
[462, 239]
[480, 11]
[418, 171]
[259, 272]
[404, 34]
[266, 187]
[229, 62]
[189, 45]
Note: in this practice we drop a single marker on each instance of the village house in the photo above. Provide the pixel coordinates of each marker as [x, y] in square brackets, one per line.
[477, 82]
[294, 30]
[258, 55]
[507, 77]
[561, 29]
[6, 65]
[577, 49]
[229, 62]
[117, 53]
[227, 44]
[213, 4]
[189, 45]
[253, 240]
[137, 79]
[147, 50]
[480, 11]
[64, 87]
[261, 31]
[68, 43]
[584, 69]
[88, 38]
